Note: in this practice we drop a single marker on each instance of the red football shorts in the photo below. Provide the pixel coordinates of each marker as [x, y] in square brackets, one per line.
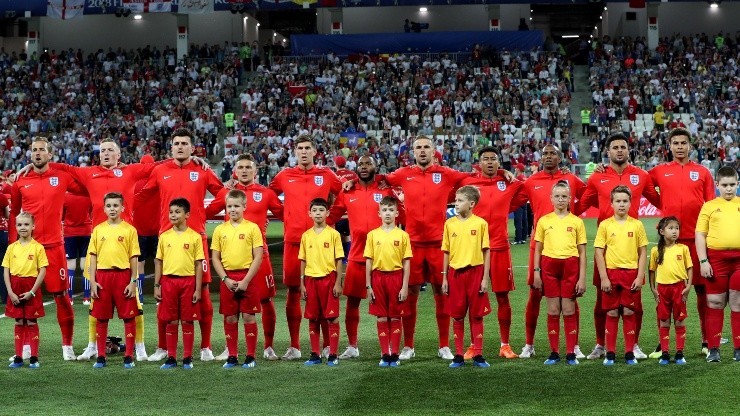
[113, 282]
[320, 299]
[386, 286]
[502, 276]
[726, 269]
[354, 280]
[177, 299]
[240, 302]
[207, 262]
[291, 264]
[426, 265]
[265, 279]
[30, 309]
[464, 294]
[559, 277]
[56, 272]
[621, 294]
[697, 278]
[670, 302]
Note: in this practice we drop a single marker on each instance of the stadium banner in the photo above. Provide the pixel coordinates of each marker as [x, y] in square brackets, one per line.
[352, 138]
[65, 9]
[195, 6]
[148, 6]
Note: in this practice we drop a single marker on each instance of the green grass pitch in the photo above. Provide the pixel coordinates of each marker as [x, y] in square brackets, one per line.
[423, 385]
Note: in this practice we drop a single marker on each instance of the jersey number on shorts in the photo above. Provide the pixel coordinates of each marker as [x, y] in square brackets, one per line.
[270, 280]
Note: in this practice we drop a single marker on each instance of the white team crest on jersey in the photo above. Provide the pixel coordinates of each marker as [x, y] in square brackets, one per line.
[318, 180]
[54, 181]
[634, 179]
[257, 196]
[694, 175]
[377, 197]
[501, 185]
[118, 172]
[194, 176]
[437, 178]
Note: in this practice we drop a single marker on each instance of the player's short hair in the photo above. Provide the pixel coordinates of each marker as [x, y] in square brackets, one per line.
[621, 189]
[113, 195]
[388, 201]
[557, 149]
[421, 137]
[110, 140]
[489, 149]
[305, 138]
[318, 202]
[181, 203]
[237, 194]
[616, 137]
[245, 156]
[679, 131]
[726, 172]
[471, 193]
[42, 139]
[183, 132]
[561, 185]
[372, 159]
[27, 215]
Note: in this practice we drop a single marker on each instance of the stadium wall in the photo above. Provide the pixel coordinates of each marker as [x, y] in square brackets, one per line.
[675, 17]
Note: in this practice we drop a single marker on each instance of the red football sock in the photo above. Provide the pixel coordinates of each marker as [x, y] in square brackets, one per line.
[735, 325]
[409, 321]
[629, 322]
[570, 325]
[129, 329]
[384, 337]
[268, 321]
[171, 333]
[638, 324]
[477, 341]
[250, 333]
[206, 319]
[333, 337]
[665, 338]
[314, 334]
[553, 332]
[680, 338]
[162, 334]
[352, 319]
[531, 314]
[231, 331]
[101, 337]
[701, 309]
[713, 322]
[443, 321]
[458, 328]
[504, 316]
[395, 327]
[600, 319]
[610, 332]
[293, 314]
[324, 332]
[578, 320]
[188, 338]
[66, 318]
[20, 337]
[33, 333]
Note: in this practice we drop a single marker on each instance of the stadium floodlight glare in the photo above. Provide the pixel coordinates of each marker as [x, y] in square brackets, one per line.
[138, 17]
[570, 36]
[713, 5]
[422, 9]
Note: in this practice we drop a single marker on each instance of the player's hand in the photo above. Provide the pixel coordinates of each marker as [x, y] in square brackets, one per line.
[130, 290]
[656, 295]
[600, 168]
[24, 297]
[202, 162]
[241, 286]
[25, 170]
[230, 184]
[483, 286]
[348, 185]
[403, 294]
[564, 170]
[685, 294]
[303, 291]
[581, 287]
[337, 291]
[537, 283]
[706, 270]
[399, 194]
[158, 294]
[14, 298]
[196, 295]
[94, 287]
[637, 284]
[510, 177]
[383, 185]
[606, 285]
[371, 295]
[445, 287]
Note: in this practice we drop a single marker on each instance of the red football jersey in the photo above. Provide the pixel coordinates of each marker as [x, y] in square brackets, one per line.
[683, 190]
[77, 220]
[428, 192]
[190, 182]
[260, 199]
[99, 181]
[497, 198]
[538, 188]
[42, 194]
[600, 185]
[361, 205]
[300, 186]
[345, 175]
[146, 217]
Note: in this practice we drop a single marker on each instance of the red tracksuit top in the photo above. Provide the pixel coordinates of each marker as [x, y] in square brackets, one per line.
[76, 214]
[538, 188]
